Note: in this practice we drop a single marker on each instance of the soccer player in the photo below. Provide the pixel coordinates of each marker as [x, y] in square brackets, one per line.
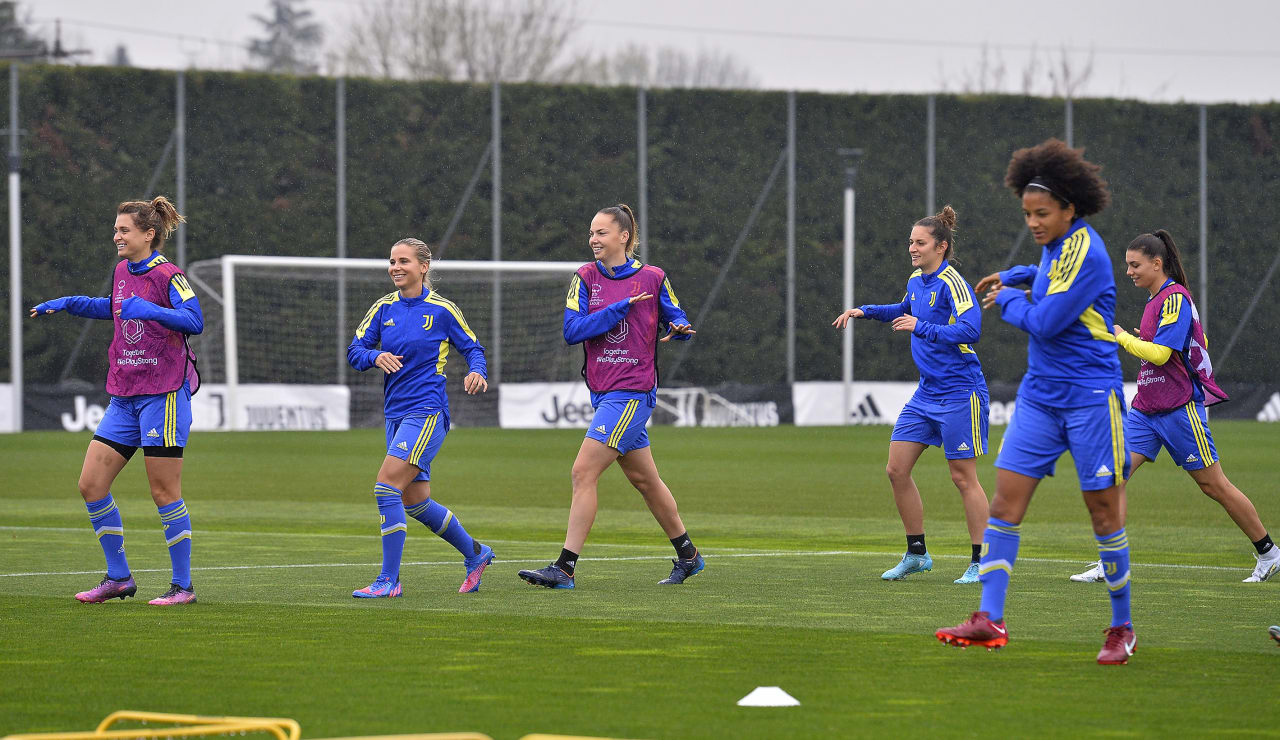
[151, 377]
[1175, 384]
[1071, 397]
[949, 408]
[406, 334]
[611, 310]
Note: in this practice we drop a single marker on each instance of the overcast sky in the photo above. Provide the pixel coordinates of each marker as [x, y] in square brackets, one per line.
[1172, 50]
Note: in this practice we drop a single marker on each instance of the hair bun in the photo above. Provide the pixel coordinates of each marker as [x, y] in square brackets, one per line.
[947, 216]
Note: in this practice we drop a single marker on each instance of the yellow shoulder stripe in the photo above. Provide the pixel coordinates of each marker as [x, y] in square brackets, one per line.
[666, 283]
[452, 308]
[1170, 310]
[575, 287]
[1063, 271]
[373, 310]
[917, 273]
[180, 284]
[157, 260]
[960, 297]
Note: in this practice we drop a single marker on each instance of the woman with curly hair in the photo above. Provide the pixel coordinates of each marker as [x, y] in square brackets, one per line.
[1071, 397]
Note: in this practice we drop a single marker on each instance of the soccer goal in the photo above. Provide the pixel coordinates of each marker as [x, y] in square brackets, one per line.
[289, 320]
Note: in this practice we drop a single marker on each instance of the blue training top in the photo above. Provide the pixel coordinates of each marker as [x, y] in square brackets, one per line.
[948, 322]
[1071, 352]
[421, 330]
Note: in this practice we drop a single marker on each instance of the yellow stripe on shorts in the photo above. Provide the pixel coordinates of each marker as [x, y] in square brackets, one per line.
[1197, 429]
[975, 415]
[616, 437]
[424, 437]
[1117, 436]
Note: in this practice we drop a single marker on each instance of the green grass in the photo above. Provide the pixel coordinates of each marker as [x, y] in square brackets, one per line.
[286, 528]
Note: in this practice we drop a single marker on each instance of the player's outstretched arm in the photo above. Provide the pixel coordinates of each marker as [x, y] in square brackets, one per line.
[76, 305]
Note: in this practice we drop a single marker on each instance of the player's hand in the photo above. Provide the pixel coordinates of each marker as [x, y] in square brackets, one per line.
[678, 329]
[1117, 329]
[641, 297]
[843, 319]
[990, 282]
[37, 312]
[389, 362]
[474, 383]
[905, 323]
[989, 298]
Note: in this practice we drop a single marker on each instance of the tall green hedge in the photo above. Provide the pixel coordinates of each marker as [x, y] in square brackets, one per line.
[261, 180]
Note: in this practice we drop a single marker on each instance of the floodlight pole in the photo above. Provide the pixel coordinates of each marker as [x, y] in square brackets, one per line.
[851, 157]
[15, 253]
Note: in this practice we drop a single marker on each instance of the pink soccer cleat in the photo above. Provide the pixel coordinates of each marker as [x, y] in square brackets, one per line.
[175, 595]
[382, 588]
[108, 589]
[475, 567]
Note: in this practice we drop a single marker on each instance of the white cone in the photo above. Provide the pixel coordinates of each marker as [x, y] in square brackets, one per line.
[768, 696]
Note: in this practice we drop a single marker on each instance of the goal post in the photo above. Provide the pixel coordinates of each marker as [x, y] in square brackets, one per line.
[278, 317]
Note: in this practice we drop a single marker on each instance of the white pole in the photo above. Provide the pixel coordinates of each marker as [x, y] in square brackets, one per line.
[791, 237]
[15, 253]
[1202, 297]
[930, 153]
[846, 354]
[340, 124]
[229, 338]
[180, 161]
[642, 171]
[495, 347]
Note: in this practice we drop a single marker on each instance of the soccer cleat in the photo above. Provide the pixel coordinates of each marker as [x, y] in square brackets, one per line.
[175, 595]
[1118, 646]
[1268, 565]
[382, 588]
[976, 630]
[970, 574]
[911, 563]
[108, 589]
[683, 569]
[1274, 631]
[475, 566]
[548, 577]
[1092, 575]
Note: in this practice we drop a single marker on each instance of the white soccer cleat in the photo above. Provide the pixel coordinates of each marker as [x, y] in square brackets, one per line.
[1268, 565]
[1093, 575]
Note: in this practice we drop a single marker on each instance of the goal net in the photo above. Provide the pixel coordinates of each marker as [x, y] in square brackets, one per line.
[289, 320]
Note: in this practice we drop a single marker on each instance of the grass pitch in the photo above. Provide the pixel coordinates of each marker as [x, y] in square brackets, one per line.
[796, 523]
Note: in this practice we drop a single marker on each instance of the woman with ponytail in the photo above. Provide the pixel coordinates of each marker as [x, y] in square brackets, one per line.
[617, 308]
[949, 408]
[1175, 384]
[151, 377]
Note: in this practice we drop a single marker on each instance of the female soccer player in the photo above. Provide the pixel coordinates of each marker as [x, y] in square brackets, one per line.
[611, 311]
[1071, 397]
[151, 377]
[949, 408]
[406, 334]
[1175, 384]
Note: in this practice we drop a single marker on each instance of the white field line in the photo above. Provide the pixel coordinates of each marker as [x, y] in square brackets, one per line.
[455, 562]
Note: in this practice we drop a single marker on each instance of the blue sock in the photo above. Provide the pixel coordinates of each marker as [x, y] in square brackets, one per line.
[1000, 550]
[177, 534]
[107, 524]
[442, 521]
[394, 529]
[1114, 551]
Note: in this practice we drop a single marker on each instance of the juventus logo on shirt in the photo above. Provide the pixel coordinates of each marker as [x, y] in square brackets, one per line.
[426, 324]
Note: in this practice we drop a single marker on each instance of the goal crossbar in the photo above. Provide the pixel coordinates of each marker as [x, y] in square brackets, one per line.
[230, 262]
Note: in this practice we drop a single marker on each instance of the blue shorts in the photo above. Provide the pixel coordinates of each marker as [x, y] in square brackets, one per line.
[958, 426]
[1183, 432]
[1039, 434]
[621, 424]
[416, 439]
[160, 420]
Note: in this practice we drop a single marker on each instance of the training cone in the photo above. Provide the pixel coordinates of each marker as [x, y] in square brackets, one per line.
[768, 696]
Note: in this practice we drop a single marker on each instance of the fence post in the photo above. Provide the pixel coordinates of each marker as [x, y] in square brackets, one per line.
[495, 349]
[340, 134]
[642, 170]
[791, 237]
